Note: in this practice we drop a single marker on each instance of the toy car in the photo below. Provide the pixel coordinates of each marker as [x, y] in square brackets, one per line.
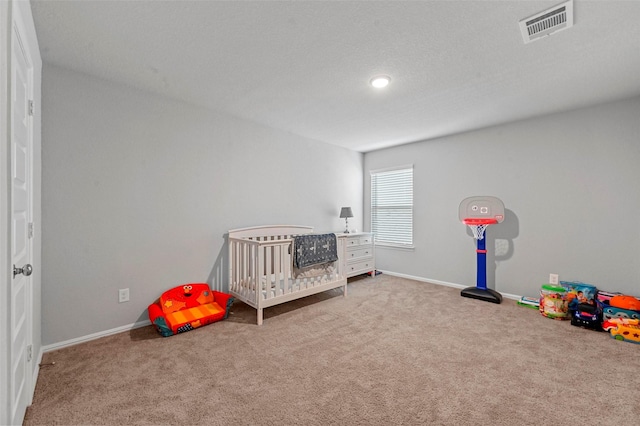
[588, 316]
[629, 332]
[610, 323]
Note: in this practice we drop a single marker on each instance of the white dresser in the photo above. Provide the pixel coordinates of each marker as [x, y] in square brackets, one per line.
[359, 253]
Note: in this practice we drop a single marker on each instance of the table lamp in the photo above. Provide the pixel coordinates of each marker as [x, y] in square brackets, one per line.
[346, 213]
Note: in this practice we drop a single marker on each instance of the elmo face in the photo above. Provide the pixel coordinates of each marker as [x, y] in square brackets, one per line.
[187, 290]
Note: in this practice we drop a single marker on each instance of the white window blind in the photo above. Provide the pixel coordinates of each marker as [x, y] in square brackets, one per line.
[392, 206]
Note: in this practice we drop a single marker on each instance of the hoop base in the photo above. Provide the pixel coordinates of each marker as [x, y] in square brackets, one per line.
[486, 294]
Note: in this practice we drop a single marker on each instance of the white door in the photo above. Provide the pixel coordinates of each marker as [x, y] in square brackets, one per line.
[21, 229]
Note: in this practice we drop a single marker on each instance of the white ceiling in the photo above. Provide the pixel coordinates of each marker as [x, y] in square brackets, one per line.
[304, 66]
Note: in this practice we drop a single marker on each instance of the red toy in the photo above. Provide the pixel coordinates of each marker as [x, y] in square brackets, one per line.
[188, 306]
[625, 302]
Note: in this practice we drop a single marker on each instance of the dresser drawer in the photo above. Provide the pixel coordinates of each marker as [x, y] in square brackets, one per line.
[359, 241]
[365, 240]
[360, 267]
[352, 241]
[356, 253]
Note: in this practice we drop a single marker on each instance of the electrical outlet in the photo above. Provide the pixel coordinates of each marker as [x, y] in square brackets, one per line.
[123, 295]
[553, 278]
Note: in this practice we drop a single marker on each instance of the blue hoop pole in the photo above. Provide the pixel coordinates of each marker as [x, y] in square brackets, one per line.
[482, 265]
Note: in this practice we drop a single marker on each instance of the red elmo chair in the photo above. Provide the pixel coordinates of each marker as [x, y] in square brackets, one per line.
[188, 306]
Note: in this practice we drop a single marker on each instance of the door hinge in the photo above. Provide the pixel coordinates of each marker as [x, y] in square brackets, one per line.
[29, 353]
[30, 230]
[31, 108]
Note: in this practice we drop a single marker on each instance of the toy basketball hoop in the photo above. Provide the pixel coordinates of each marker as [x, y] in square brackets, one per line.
[478, 226]
[478, 213]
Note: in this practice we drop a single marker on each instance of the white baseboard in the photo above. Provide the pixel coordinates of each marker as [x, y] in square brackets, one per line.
[77, 340]
[94, 336]
[444, 283]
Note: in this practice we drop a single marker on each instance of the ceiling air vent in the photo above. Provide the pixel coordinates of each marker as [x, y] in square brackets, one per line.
[545, 23]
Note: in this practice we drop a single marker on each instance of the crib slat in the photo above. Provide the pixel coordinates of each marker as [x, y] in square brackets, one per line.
[240, 274]
[247, 273]
[286, 269]
[254, 261]
[277, 269]
[237, 280]
[268, 262]
[232, 266]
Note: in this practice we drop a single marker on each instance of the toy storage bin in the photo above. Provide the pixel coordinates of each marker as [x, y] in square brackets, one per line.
[613, 312]
[579, 292]
[553, 302]
[603, 297]
[610, 312]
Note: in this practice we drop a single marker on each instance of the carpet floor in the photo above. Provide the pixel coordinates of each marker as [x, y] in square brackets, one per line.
[394, 351]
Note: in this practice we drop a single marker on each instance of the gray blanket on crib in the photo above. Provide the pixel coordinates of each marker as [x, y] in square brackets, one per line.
[314, 249]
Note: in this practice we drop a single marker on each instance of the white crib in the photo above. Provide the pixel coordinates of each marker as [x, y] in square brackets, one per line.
[261, 272]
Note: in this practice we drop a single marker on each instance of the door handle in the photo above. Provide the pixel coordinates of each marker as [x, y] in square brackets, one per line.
[26, 270]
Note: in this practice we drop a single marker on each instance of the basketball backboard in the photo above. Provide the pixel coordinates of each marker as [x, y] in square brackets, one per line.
[480, 209]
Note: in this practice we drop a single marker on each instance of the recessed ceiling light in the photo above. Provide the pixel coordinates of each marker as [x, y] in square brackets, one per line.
[380, 81]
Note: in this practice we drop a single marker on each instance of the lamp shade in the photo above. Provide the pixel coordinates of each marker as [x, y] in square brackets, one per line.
[346, 212]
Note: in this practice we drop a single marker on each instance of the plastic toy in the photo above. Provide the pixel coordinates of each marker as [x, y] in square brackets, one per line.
[608, 324]
[529, 302]
[187, 307]
[478, 213]
[604, 297]
[629, 303]
[553, 302]
[579, 292]
[588, 316]
[627, 332]
[613, 313]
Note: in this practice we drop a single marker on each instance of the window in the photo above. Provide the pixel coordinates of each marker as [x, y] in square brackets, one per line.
[392, 206]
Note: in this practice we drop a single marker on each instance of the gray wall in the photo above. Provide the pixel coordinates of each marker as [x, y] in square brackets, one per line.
[139, 192]
[569, 182]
